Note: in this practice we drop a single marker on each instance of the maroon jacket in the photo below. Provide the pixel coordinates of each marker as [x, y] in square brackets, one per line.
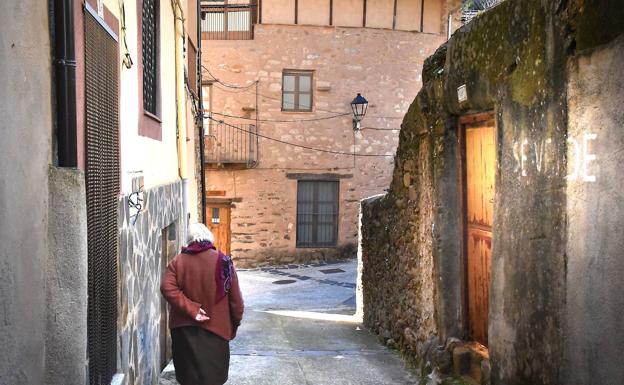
[189, 283]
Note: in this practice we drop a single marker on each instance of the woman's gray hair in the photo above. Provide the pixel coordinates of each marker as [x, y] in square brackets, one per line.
[199, 232]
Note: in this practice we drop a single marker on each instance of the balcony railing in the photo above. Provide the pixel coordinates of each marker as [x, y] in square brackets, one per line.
[224, 21]
[231, 144]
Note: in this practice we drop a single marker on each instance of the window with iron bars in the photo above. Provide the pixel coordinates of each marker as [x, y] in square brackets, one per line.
[222, 20]
[317, 213]
[149, 53]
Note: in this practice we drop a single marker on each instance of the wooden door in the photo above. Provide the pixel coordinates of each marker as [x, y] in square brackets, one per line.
[218, 218]
[480, 168]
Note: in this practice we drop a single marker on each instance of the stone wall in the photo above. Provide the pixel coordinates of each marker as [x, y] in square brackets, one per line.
[520, 60]
[141, 262]
[595, 240]
[66, 280]
[25, 153]
[345, 61]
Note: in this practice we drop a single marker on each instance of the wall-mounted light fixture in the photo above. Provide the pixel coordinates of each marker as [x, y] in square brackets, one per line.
[359, 105]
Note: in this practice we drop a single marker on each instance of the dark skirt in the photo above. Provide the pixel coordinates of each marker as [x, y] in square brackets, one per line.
[199, 356]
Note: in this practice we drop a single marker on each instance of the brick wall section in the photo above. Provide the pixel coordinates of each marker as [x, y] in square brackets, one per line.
[345, 61]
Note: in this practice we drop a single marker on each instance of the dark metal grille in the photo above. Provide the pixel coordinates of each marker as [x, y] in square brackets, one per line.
[317, 213]
[102, 187]
[231, 143]
[150, 54]
[223, 21]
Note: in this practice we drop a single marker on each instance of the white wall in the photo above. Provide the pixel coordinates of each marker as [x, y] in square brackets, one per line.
[157, 160]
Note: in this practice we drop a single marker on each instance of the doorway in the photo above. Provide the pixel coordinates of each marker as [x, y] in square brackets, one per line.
[218, 216]
[478, 133]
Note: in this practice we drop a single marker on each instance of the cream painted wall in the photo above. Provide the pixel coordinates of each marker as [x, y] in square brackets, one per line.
[379, 13]
[157, 160]
[278, 11]
[314, 12]
[348, 13]
[433, 16]
[190, 162]
[408, 15]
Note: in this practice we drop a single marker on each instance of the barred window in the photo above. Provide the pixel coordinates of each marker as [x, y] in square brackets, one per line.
[317, 213]
[150, 55]
[297, 91]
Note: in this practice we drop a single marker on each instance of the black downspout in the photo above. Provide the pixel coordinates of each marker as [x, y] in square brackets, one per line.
[202, 171]
[65, 68]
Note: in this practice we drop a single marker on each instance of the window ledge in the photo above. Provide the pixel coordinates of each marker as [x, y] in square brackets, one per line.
[149, 114]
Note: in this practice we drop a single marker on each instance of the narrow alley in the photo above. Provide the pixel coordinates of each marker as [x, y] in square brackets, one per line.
[299, 329]
[413, 192]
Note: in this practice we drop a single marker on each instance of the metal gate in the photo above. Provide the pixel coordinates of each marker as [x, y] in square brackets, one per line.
[102, 188]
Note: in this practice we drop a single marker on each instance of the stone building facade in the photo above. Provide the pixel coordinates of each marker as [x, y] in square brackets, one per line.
[345, 53]
[545, 77]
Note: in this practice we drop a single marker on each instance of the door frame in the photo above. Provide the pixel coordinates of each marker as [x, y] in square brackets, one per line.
[463, 121]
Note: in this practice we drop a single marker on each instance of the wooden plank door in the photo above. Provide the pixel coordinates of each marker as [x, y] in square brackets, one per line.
[480, 168]
[218, 218]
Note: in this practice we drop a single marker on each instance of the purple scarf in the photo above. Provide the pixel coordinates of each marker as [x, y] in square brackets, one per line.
[225, 267]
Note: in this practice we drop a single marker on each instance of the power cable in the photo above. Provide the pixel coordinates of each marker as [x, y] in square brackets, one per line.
[247, 89]
[297, 145]
[381, 129]
[281, 121]
[227, 84]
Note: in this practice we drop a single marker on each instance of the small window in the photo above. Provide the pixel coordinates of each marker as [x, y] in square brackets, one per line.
[216, 219]
[317, 213]
[149, 54]
[297, 91]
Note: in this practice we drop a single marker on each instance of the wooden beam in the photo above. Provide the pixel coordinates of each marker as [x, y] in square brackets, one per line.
[364, 15]
[296, 11]
[422, 16]
[259, 11]
[331, 12]
[394, 15]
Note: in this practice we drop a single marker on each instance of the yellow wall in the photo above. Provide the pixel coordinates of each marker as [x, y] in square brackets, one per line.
[157, 160]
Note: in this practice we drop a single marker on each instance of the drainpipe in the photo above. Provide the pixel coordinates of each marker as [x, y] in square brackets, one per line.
[65, 70]
[202, 170]
[178, 15]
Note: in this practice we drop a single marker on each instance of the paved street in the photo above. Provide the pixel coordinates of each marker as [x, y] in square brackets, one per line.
[302, 332]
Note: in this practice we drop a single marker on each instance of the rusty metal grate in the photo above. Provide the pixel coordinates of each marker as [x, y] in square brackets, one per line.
[102, 187]
[149, 51]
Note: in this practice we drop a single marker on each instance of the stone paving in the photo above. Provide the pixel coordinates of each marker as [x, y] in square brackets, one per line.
[303, 332]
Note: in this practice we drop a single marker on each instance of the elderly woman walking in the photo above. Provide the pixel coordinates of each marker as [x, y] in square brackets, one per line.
[201, 286]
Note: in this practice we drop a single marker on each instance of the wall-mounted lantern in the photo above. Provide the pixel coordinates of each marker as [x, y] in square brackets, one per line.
[359, 105]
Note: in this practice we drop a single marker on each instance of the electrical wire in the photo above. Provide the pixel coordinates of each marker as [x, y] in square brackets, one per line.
[281, 121]
[227, 84]
[247, 89]
[297, 145]
[381, 129]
